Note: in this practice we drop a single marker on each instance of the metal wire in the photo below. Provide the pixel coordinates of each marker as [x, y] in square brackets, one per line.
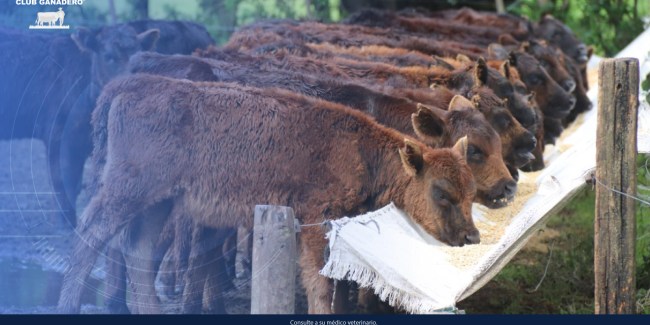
[621, 193]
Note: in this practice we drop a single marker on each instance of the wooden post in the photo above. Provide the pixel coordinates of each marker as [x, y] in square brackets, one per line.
[500, 7]
[615, 223]
[274, 261]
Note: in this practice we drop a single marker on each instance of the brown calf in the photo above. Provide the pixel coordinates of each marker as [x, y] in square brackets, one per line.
[355, 166]
[311, 32]
[495, 186]
[426, 26]
[378, 53]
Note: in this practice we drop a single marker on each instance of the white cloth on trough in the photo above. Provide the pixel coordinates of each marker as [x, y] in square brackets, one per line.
[385, 250]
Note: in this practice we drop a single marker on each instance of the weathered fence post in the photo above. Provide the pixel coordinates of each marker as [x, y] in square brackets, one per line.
[274, 261]
[615, 223]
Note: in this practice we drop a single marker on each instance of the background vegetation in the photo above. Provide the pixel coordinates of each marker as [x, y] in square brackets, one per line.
[562, 255]
[607, 25]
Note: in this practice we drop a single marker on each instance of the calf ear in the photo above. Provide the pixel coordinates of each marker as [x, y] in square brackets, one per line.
[463, 58]
[512, 58]
[590, 51]
[440, 62]
[85, 40]
[427, 124]
[530, 98]
[476, 101]
[461, 146]
[411, 156]
[504, 69]
[480, 72]
[459, 103]
[507, 39]
[147, 39]
[497, 52]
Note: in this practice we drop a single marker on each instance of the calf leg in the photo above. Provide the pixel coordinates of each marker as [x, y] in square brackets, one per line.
[143, 257]
[215, 285]
[219, 278]
[244, 252]
[167, 275]
[206, 256]
[103, 217]
[367, 301]
[318, 287]
[196, 273]
[229, 252]
[341, 303]
[115, 282]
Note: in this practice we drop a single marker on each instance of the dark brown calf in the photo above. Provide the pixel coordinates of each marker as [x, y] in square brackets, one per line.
[378, 53]
[344, 35]
[518, 27]
[362, 70]
[495, 186]
[394, 112]
[426, 26]
[560, 67]
[554, 102]
[583, 103]
[550, 60]
[560, 35]
[328, 180]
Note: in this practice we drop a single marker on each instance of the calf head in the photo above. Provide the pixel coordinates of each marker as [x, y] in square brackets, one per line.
[561, 36]
[517, 142]
[440, 194]
[583, 103]
[553, 100]
[549, 58]
[462, 78]
[495, 185]
[538, 152]
[524, 107]
[111, 47]
[521, 102]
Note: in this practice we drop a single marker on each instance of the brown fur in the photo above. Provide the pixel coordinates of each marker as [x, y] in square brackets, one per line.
[356, 166]
[395, 113]
[366, 71]
[378, 53]
[252, 36]
[447, 29]
[517, 26]
[392, 111]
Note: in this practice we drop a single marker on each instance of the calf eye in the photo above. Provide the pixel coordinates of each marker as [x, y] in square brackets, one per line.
[535, 80]
[441, 197]
[501, 121]
[506, 89]
[474, 154]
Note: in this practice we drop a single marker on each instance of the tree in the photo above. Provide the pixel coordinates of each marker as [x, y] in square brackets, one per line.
[111, 11]
[219, 16]
[140, 8]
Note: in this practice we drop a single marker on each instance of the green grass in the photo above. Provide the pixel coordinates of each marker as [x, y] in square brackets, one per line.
[568, 287]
